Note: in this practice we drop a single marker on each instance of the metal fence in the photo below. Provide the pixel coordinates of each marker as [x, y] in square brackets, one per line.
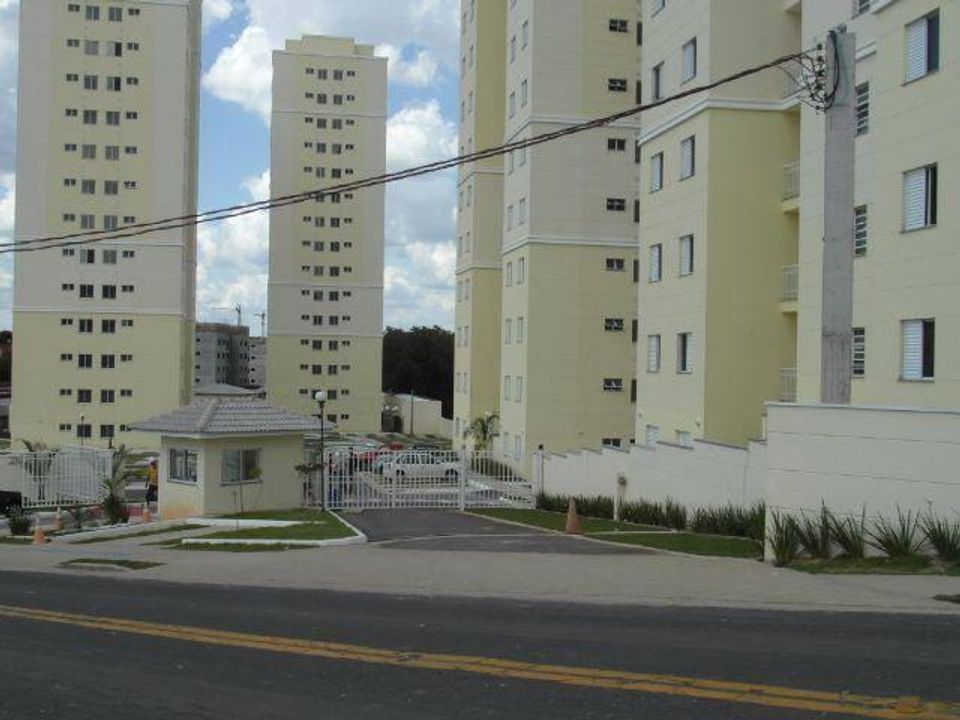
[65, 476]
[361, 478]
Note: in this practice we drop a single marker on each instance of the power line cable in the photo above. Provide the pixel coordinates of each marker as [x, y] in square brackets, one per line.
[176, 223]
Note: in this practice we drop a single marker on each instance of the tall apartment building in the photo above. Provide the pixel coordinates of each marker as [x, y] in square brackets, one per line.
[479, 214]
[714, 234]
[257, 367]
[222, 355]
[326, 255]
[568, 286]
[906, 283]
[107, 137]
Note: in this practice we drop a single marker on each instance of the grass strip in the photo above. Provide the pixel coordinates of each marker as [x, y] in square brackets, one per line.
[548, 520]
[329, 529]
[915, 565]
[18, 540]
[146, 533]
[129, 564]
[690, 543]
[292, 515]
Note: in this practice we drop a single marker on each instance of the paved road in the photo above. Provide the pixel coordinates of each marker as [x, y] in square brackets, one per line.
[63, 665]
[454, 531]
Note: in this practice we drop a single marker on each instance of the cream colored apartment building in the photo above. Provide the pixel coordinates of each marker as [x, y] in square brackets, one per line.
[568, 225]
[479, 214]
[107, 137]
[326, 255]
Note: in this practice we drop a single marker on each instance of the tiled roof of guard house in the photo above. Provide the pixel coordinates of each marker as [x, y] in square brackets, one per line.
[209, 416]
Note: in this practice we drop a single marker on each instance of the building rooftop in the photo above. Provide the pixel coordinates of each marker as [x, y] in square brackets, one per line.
[212, 416]
[224, 390]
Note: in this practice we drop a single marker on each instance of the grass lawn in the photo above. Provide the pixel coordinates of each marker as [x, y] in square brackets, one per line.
[692, 543]
[145, 533]
[130, 564]
[18, 540]
[293, 515]
[239, 548]
[558, 521]
[876, 566]
[327, 528]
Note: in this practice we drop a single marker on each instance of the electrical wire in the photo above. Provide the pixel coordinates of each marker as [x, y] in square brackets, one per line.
[176, 223]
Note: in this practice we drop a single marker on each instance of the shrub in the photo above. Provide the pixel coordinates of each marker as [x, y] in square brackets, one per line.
[643, 512]
[815, 534]
[943, 536]
[19, 521]
[784, 539]
[552, 503]
[850, 534]
[675, 515]
[731, 520]
[899, 539]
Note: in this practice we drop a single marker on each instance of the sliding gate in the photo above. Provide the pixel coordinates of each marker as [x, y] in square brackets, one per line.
[361, 479]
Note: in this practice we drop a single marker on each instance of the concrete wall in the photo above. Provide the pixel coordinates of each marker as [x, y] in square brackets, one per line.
[427, 415]
[277, 488]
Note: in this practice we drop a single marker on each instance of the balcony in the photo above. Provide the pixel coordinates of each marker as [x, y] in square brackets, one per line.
[789, 283]
[788, 385]
[791, 180]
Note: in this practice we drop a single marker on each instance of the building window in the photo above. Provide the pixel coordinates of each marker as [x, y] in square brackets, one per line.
[861, 6]
[655, 269]
[613, 384]
[519, 330]
[658, 5]
[863, 108]
[653, 435]
[84, 430]
[634, 330]
[507, 331]
[85, 325]
[610, 442]
[183, 465]
[690, 60]
[616, 204]
[613, 324]
[920, 198]
[518, 389]
[615, 265]
[656, 172]
[510, 217]
[616, 144]
[525, 33]
[688, 157]
[619, 26]
[91, 47]
[859, 352]
[115, 14]
[656, 84]
[523, 93]
[93, 12]
[685, 353]
[653, 353]
[240, 466]
[506, 387]
[107, 397]
[686, 255]
[923, 47]
[918, 349]
[860, 230]
[617, 84]
[683, 438]
[521, 271]
[108, 362]
[522, 213]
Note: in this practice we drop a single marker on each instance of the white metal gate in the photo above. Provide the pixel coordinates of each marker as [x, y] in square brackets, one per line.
[64, 476]
[365, 479]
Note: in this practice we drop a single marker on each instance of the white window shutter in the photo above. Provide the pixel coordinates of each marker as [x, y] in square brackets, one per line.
[915, 199]
[689, 60]
[656, 172]
[685, 256]
[912, 349]
[916, 61]
[653, 353]
[686, 158]
[654, 271]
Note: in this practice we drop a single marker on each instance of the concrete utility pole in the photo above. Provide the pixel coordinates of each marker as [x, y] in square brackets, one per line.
[836, 343]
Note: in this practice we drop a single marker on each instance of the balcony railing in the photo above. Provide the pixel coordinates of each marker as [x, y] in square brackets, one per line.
[791, 180]
[789, 283]
[788, 385]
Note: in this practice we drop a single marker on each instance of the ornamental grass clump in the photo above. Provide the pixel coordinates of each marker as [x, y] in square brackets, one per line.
[850, 534]
[814, 534]
[898, 539]
[943, 536]
[784, 539]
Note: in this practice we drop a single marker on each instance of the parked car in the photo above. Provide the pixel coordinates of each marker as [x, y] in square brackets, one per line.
[421, 465]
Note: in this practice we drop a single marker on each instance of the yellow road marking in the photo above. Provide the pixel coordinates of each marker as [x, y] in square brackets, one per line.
[725, 691]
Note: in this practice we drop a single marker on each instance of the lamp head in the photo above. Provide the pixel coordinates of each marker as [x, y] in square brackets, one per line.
[320, 396]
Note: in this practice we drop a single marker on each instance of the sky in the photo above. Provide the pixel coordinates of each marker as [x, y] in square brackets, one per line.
[420, 38]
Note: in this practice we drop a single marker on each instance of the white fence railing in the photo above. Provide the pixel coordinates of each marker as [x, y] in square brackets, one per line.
[358, 479]
[65, 476]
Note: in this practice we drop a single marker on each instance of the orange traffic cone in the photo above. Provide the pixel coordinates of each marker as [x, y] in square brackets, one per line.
[573, 520]
[39, 537]
[145, 516]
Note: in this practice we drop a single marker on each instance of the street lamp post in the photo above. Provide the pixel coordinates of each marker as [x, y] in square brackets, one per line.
[321, 397]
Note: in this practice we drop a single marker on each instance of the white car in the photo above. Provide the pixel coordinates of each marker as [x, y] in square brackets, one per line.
[421, 465]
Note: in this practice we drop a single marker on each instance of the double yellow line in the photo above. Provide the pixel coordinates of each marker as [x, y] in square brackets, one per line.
[690, 687]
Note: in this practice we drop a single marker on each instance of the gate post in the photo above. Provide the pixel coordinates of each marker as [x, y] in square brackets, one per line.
[462, 480]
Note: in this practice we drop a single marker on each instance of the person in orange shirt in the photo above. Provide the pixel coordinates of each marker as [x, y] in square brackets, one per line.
[153, 481]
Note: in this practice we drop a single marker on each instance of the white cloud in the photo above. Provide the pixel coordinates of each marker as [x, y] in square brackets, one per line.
[232, 259]
[7, 202]
[214, 11]
[8, 189]
[419, 71]
[8, 83]
[419, 134]
[242, 73]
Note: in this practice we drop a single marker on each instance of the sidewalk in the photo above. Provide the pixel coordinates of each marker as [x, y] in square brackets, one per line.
[631, 579]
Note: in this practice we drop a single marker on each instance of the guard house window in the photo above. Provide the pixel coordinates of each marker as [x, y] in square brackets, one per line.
[183, 465]
[690, 60]
[240, 466]
[919, 344]
[863, 108]
[860, 230]
[920, 198]
[685, 353]
[859, 352]
[923, 47]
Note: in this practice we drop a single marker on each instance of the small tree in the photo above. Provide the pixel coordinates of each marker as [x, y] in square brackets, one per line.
[115, 484]
[482, 430]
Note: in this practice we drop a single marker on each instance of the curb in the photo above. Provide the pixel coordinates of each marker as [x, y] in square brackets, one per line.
[334, 542]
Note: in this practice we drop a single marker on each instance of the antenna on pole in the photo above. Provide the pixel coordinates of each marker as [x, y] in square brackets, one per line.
[239, 310]
[263, 323]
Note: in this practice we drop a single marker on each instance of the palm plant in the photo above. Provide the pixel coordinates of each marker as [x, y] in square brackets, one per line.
[115, 485]
[482, 430]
